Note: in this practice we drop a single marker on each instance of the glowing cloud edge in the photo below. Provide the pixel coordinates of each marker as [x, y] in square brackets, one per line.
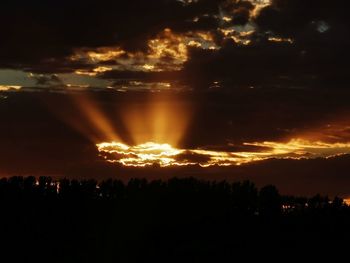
[164, 155]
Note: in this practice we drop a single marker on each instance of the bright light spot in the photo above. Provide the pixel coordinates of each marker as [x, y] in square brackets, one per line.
[240, 37]
[323, 27]
[227, 32]
[260, 4]
[9, 88]
[78, 87]
[148, 67]
[102, 69]
[227, 19]
[99, 55]
[193, 43]
[94, 72]
[347, 201]
[278, 39]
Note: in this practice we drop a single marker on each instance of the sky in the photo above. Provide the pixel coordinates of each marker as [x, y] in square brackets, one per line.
[215, 89]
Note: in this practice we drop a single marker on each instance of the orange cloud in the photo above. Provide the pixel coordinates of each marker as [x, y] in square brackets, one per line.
[165, 155]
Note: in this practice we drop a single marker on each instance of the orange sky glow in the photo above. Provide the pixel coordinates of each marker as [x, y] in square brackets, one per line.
[164, 155]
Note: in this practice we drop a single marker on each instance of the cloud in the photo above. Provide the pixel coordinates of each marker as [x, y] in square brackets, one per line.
[44, 80]
[293, 17]
[293, 43]
[239, 42]
[50, 32]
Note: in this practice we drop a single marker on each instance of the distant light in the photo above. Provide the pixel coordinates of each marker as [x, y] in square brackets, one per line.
[323, 26]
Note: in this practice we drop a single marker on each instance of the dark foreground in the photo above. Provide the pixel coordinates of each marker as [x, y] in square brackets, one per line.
[181, 220]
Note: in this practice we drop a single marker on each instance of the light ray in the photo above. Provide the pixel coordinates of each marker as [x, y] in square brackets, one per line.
[159, 118]
[100, 124]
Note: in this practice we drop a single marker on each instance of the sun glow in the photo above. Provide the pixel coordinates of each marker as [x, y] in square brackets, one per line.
[9, 88]
[161, 118]
[149, 153]
[347, 201]
[84, 114]
[164, 155]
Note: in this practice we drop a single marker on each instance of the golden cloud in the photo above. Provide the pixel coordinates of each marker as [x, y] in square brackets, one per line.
[151, 153]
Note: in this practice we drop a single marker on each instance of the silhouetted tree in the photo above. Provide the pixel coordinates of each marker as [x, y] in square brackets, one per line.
[244, 196]
[178, 219]
[269, 200]
[337, 202]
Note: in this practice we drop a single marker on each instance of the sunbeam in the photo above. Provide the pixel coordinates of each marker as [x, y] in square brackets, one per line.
[160, 118]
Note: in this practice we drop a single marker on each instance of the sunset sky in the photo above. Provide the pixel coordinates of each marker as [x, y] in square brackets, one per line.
[215, 89]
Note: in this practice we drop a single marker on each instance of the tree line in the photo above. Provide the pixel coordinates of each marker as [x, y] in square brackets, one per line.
[242, 196]
[177, 220]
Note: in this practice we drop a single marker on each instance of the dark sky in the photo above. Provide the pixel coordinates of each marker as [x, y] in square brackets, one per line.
[222, 76]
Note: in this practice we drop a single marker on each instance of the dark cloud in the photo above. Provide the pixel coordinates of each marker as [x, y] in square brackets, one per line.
[295, 43]
[292, 18]
[312, 54]
[240, 11]
[192, 157]
[123, 76]
[320, 34]
[48, 80]
[36, 33]
[313, 35]
[261, 63]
